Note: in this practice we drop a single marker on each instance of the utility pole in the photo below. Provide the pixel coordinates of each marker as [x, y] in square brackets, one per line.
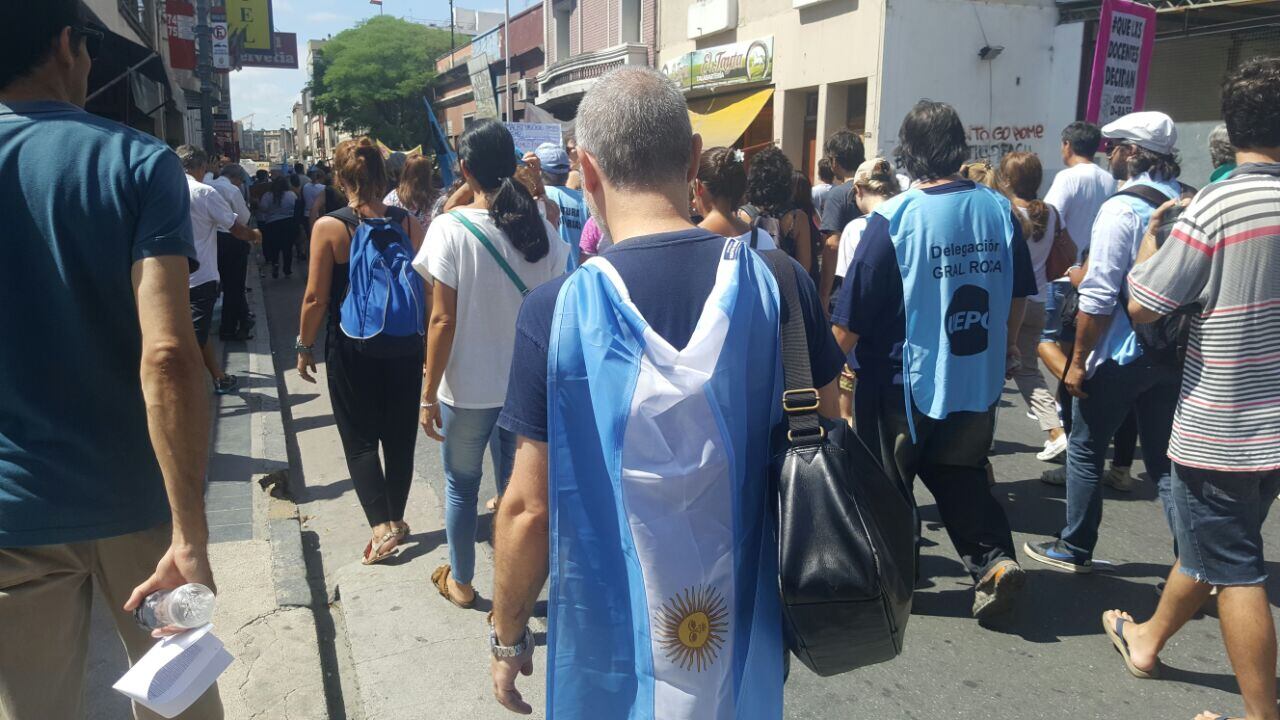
[452, 47]
[204, 71]
[506, 61]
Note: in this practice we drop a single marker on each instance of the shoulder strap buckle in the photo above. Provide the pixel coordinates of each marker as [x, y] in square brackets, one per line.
[801, 400]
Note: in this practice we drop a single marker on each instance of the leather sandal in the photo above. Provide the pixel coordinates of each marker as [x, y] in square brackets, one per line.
[440, 578]
[373, 552]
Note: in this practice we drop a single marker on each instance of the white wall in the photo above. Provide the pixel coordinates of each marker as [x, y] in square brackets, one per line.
[1021, 100]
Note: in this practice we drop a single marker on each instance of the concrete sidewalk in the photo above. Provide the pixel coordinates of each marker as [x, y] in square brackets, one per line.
[263, 617]
[409, 653]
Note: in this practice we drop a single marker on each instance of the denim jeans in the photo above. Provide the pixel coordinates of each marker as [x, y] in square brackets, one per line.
[1151, 392]
[950, 456]
[466, 435]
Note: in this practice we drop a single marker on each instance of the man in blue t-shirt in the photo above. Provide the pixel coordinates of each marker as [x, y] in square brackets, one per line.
[929, 306]
[104, 425]
[638, 155]
[573, 209]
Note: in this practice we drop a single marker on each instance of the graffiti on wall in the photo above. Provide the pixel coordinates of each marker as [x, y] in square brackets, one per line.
[989, 144]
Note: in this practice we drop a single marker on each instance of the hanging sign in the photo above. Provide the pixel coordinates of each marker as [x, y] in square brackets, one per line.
[1126, 35]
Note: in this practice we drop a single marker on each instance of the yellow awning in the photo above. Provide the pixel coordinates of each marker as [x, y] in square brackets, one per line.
[721, 121]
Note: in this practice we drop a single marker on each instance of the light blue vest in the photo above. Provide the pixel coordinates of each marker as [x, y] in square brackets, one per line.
[955, 255]
[573, 216]
[664, 580]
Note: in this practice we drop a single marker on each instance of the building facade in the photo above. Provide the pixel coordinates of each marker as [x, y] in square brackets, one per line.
[455, 92]
[796, 71]
[584, 39]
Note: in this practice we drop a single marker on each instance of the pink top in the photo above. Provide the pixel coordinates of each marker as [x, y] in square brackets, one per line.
[590, 241]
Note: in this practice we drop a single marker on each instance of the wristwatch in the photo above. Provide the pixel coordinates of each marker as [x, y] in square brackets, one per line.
[509, 651]
[299, 347]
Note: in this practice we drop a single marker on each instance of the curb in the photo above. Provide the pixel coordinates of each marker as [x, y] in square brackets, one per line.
[271, 463]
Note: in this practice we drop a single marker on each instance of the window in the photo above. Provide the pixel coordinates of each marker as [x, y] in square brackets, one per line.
[563, 12]
[630, 21]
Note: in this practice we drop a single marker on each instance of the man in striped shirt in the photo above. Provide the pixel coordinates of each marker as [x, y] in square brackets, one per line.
[1222, 255]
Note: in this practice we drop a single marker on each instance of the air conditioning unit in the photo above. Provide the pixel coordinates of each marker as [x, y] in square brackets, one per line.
[526, 89]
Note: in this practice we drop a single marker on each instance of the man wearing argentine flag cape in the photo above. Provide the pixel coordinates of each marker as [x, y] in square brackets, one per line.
[644, 389]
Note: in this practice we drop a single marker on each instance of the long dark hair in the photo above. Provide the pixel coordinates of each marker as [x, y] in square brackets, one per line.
[279, 187]
[489, 155]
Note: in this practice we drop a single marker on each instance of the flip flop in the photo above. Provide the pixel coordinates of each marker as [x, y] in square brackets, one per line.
[440, 578]
[1116, 633]
[373, 553]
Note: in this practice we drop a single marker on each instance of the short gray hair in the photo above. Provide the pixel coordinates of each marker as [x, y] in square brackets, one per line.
[192, 157]
[635, 123]
[1221, 151]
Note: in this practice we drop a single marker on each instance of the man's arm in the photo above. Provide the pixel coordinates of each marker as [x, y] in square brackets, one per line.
[521, 551]
[242, 231]
[1089, 329]
[177, 417]
[830, 251]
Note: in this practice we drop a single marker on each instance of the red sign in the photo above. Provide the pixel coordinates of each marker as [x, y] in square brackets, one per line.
[180, 19]
[1126, 35]
[283, 54]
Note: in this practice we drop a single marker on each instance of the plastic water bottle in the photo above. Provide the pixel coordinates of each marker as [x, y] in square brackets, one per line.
[190, 606]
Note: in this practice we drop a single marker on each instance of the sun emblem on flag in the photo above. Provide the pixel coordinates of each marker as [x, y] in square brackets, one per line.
[692, 627]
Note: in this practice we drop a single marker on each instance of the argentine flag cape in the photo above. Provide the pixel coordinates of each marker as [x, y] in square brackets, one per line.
[664, 582]
[955, 255]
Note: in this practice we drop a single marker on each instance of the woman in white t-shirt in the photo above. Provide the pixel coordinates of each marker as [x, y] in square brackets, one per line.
[717, 194]
[482, 257]
[1019, 178]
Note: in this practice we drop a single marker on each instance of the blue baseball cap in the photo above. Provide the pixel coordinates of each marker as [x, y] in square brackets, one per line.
[553, 158]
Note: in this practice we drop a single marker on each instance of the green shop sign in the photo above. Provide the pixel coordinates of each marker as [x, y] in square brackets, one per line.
[735, 64]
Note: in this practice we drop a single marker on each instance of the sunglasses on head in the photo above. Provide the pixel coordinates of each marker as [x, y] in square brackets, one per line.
[92, 40]
[1110, 146]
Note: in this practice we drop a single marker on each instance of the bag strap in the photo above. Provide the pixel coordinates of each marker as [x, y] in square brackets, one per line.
[502, 263]
[1146, 193]
[800, 398]
[755, 233]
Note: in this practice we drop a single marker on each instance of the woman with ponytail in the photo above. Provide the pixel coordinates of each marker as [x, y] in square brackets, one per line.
[372, 382]
[717, 194]
[483, 257]
[1019, 178]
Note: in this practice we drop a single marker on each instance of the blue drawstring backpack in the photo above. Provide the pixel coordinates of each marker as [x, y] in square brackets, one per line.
[386, 296]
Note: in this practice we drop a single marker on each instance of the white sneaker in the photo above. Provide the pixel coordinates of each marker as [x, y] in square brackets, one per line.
[1118, 478]
[1031, 416]
[1053, 448]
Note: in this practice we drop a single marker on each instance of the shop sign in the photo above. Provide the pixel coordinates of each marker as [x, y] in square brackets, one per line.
[1126, 34]
[734, 64]
[251, 22]
[283, 54]
[180, 20]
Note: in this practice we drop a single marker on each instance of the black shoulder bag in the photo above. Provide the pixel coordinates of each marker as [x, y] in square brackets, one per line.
[846, 542]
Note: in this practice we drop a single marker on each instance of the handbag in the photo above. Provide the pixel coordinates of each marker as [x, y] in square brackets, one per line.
[845, 530]
[497, 256]
[1063, 253]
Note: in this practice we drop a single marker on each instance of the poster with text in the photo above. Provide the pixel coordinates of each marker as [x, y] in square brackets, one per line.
[528, 136]
[180, 22]
[1126, 35]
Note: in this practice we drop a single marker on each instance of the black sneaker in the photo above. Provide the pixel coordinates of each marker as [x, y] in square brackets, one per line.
[226, 385]
[1055, 554]
[995, 592]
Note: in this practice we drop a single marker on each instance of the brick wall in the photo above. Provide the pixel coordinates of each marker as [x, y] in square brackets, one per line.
[596, 25]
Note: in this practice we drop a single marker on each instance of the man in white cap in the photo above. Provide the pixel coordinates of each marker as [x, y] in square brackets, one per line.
[1112, 370]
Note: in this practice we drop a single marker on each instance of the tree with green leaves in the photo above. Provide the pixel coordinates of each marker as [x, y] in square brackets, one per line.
[372, 78]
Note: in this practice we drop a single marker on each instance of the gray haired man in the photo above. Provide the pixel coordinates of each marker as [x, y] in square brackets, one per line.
[687, 294]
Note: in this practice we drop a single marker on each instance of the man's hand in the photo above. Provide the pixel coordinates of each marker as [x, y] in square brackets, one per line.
[1012, 361]
[531, 175]
[1148, 246]
[1074, 380]
[505, 671]
[182, 564]
[306, 366]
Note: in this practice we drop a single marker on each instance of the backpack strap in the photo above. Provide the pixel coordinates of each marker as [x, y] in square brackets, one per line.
[497, 256]
[1145, 193]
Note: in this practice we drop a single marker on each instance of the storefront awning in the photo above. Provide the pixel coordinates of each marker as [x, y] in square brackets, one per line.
[722, 120]
[121, 58]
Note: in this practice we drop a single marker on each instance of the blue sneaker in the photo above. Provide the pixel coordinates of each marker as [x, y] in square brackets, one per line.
[1055, 554]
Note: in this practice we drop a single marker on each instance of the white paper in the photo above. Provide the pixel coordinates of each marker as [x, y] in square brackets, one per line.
[176, 672]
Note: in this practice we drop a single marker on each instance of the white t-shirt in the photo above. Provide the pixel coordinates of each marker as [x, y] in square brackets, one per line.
[819, 195]
[1078, 192]
[1039, 250]
[209, 214]
[488, 302]
[234, 198]
[849, 240]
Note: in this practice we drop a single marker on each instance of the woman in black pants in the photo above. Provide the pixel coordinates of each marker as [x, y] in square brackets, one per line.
[374, 384]
[279, 226]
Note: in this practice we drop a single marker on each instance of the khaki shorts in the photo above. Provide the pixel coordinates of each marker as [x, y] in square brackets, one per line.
[46, 593]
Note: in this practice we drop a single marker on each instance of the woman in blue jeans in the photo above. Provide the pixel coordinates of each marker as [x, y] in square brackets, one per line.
[482, 259]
